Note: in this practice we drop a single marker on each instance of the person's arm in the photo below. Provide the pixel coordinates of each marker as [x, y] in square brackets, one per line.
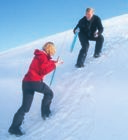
[78, 26]
[47, 67]
[74, 30]
[100, 26]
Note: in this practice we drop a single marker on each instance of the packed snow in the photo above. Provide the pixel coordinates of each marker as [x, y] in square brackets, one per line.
[89, 103]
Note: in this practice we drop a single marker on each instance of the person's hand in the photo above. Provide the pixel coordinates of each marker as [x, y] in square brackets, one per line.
[77, 30]
[96, 34]
[59, 62]
[74, 31]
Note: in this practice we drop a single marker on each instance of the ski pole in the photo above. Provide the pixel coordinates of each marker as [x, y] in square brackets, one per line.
[74, 40]
[53, 74]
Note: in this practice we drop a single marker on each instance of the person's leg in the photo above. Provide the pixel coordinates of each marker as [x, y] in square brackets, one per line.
[83, 52]
[19, 115]
[98, 46]
[47, 99]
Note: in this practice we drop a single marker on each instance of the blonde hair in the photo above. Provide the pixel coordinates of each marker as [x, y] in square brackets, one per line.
[49, 48]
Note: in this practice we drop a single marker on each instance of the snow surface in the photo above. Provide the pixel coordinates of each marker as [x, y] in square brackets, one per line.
[90, 103]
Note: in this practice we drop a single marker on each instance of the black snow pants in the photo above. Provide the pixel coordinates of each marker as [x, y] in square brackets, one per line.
[84, 40]
[28, 93]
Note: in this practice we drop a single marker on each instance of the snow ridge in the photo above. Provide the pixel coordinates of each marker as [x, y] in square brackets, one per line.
[89, 103]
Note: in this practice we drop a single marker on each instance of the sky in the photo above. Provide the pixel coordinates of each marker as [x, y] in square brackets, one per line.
[24, 21]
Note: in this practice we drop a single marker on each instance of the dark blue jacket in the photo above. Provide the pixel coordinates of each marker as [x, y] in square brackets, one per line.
[90, 27]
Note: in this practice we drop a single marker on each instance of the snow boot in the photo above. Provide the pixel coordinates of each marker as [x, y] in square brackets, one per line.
[15, 131]
[79, 66]
[96, 55]
[81, 59]
[45, 112]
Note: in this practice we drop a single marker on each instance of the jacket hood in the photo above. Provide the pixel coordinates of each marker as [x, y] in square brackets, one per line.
[39, 53]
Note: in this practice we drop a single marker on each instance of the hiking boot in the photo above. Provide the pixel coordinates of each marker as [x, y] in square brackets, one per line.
[79, 66]
[45, 112]
[96, 55]
[15, 131]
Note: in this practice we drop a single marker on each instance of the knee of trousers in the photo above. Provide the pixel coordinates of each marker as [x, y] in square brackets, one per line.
[101, 38]
[49, 94]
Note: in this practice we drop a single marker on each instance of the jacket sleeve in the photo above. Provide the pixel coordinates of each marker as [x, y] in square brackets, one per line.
[100, 26]
[47, 67]
[78, 25]
[82, 25]
[75, 28]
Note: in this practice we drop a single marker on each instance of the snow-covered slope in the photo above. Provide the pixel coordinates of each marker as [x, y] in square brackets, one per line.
[89, 103]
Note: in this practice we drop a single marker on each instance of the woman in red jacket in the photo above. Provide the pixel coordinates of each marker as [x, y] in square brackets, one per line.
[41, 65]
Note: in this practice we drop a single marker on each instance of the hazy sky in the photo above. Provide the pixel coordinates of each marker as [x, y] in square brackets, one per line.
[23, 21]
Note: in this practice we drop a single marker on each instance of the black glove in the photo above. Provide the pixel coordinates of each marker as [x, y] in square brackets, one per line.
[76, 30]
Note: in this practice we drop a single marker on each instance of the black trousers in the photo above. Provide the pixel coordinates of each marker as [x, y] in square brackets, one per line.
[84, 40]
[29, 89]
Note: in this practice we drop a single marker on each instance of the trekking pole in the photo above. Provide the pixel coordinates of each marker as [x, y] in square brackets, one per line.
[74, 40]
[53, 74]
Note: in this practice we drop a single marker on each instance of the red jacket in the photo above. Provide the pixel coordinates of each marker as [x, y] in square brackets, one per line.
[39, 67]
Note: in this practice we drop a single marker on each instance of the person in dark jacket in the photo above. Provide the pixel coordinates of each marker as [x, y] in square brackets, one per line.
[89, 28]
[41, 65]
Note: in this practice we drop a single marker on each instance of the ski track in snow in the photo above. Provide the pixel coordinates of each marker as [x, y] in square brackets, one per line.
[76, 97]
